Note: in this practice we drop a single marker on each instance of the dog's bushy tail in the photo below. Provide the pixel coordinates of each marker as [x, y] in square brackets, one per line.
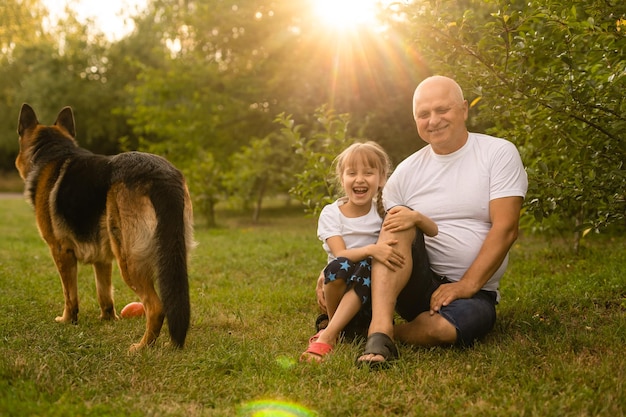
[168, 198]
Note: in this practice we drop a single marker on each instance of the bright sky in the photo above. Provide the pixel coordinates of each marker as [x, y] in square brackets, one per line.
[109, 15]
[345, 13]
[348, 14]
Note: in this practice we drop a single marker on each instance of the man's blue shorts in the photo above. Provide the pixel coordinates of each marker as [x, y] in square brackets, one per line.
[473, 317]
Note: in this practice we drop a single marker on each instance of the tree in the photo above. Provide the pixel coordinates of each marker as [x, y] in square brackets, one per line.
[205, 185]
[64, 64]
[229, 67]
[548, 75]
[316, 145]
[199, 101]
[264, 167]
[21, 27]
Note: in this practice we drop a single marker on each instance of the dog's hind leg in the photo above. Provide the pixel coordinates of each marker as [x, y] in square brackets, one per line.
[104, 290]
[154, 316]
[66, 264]
[131, 225]
[139, 277]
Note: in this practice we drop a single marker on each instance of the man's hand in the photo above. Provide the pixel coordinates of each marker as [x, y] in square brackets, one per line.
[447, 293]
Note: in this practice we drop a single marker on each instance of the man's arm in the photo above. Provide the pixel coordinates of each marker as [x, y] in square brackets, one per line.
[504, 213]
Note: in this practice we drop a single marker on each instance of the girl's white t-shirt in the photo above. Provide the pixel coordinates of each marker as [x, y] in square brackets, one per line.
[454, 191]
[355, 231]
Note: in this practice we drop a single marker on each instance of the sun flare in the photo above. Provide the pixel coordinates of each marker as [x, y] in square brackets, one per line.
[346, 14]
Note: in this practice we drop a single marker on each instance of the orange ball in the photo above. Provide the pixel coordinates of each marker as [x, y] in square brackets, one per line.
[134, 309]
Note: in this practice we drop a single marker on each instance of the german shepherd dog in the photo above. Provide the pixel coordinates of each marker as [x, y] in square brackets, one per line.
[134, 207]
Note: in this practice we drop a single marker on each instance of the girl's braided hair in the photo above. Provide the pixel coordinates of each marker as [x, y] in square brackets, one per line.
[371, 154]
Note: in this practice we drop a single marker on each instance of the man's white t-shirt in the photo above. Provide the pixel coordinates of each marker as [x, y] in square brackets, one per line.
[355, 231]
[454, 191]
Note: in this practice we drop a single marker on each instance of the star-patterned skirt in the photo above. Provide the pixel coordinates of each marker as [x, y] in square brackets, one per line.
[358, 276]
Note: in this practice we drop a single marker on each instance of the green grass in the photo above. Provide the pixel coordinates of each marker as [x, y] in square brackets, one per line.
[557, 349]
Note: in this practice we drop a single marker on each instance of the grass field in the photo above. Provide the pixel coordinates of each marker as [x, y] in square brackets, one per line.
[557, 349]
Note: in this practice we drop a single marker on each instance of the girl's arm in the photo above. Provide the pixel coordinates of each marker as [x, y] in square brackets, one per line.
[402, 218]
[384, 252]
[338, 248]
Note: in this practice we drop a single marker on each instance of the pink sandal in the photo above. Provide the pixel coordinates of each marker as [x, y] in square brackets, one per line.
[316, 336]
[316, 352]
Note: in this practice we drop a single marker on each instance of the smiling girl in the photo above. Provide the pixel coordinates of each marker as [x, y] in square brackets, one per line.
[349, 228]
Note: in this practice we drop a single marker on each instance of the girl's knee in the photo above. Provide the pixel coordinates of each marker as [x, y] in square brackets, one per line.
[335, 287]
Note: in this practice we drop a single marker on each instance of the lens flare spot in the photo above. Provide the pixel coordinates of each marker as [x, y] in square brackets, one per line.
[272, 408]
[285, 362]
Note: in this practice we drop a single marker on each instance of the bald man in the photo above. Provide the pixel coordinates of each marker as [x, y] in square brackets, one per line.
[472, 185]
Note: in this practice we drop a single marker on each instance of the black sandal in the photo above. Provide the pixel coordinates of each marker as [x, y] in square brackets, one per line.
[379, 344]
[321, 322]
